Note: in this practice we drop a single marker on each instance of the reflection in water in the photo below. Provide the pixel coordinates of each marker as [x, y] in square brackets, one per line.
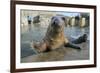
[36, 32]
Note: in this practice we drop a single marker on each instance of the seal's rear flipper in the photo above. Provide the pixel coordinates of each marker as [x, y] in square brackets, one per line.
[81, 39]
[72, 46]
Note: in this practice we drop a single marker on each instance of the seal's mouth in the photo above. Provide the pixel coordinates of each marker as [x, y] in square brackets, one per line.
[57, 29]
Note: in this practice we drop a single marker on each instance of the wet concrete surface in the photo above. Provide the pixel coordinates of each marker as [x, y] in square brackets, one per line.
[32, 33]
[61, 54]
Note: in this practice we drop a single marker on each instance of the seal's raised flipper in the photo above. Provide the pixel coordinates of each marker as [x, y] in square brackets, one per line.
[81, 39]
[72, 46]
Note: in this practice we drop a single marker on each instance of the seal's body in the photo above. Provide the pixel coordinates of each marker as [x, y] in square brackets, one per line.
[54, 37]
[55, 33]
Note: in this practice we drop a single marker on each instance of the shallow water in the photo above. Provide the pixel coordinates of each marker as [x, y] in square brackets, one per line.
[36, 32]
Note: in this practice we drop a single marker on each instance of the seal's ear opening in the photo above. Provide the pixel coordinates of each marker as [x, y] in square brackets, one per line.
[63, 18]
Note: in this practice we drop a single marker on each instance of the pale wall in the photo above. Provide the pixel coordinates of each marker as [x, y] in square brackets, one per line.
[5, 37]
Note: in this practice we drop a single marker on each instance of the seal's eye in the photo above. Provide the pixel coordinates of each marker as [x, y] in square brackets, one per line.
[55, 23]
[52, 18]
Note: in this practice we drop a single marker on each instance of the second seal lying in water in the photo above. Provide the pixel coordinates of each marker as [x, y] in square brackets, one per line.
[54, 37]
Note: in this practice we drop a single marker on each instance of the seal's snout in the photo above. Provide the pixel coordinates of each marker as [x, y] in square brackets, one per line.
[55, 23]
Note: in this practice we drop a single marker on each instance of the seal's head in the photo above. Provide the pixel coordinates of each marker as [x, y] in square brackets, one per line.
[57, 23]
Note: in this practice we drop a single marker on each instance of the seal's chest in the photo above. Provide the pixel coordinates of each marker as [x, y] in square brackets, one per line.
[56, 42]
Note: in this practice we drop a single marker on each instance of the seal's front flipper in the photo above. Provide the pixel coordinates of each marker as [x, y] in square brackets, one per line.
[39, 46]
[72, 46]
